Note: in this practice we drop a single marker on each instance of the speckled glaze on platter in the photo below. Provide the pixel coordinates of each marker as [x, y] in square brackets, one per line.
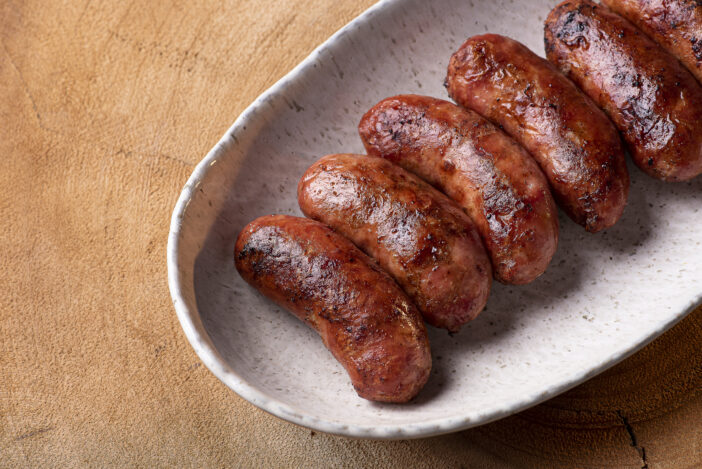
[603, 297]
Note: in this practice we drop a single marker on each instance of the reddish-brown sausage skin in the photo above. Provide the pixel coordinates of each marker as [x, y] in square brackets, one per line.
[674, 24]
[365, 320]
[653, 100]
[493, 178]
[415, 233]
[573, 141]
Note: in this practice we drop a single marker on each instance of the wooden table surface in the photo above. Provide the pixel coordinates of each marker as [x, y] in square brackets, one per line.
[106, 108]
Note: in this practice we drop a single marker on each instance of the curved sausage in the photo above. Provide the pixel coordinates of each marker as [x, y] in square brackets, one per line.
[493, 178]
[574, 142]
[652, 99]
[365, 320]
[415, 233]
[674, 24]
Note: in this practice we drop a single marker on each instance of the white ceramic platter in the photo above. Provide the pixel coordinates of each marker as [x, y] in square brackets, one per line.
[603, 297]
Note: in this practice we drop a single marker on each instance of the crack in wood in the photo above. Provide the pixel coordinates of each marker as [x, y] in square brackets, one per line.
[38, 431]
[129, 153]
[634, 442]
[25, 87]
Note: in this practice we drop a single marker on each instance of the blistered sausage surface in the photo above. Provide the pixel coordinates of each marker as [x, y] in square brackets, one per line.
[652, 99]
[574, 142]
[363, 317]
[491, 176]
[419, 236]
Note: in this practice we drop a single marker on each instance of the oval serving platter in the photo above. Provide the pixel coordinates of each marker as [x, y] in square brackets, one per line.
[603, 297]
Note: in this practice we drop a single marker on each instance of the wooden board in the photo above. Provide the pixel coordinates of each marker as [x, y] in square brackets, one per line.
[106, 108]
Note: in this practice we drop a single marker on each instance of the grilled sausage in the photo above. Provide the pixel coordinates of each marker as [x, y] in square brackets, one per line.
[653, 100]
[574, 142]
[674, 24]
[477, 165]
[365, 320]
[415, 233]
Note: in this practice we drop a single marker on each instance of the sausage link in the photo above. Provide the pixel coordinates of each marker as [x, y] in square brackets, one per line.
[574, 142]
[674, 24]
[493, 178]
[652, 99]
[415, 233]
[364, 319]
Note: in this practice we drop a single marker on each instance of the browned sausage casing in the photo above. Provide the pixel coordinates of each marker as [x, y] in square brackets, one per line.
[477, 165]
[419, 236]
[365, 320]
[653, 100]
[573, 141]
[674, 24]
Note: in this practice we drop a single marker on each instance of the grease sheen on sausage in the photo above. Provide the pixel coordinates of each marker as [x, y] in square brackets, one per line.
[573, 141]
[652, 99]
[493, 178]
[674, 24]
[415, 233]
[364, 319]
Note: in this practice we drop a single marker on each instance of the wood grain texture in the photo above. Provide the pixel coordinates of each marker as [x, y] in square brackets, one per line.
[107, 106]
